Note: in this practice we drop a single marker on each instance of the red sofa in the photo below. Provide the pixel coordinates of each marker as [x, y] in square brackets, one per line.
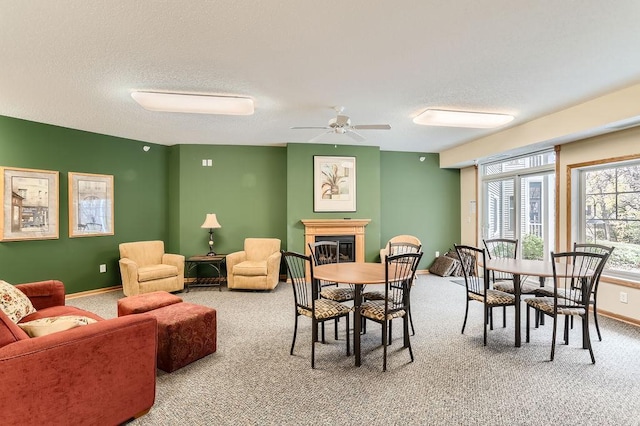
[102, 373]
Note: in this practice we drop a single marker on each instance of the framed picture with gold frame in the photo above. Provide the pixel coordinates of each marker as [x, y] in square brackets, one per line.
[30, 204]
[90, 205]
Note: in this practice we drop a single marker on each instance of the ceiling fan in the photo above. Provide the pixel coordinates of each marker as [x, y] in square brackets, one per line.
[341, 125]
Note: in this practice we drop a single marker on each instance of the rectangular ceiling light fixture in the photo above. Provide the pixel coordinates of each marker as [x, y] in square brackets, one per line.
[478, 120]
[194, 104]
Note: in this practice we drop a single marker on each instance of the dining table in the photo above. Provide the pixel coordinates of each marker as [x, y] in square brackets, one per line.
[519, 268]
[359, 274]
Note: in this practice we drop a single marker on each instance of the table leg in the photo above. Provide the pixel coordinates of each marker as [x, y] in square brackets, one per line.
[516, 290]
[357, 323]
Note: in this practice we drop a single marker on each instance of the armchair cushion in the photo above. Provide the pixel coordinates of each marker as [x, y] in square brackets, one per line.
[14, 303]
[251, 268]
[156, 272]
[44, 326]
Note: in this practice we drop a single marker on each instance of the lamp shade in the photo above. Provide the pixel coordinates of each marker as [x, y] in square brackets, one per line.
[211, 221]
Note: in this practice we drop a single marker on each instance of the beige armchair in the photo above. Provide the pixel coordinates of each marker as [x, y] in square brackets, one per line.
[145, 267]
[398, 239]
[257, 267]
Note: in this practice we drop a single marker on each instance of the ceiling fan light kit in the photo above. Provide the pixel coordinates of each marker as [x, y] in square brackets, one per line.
[194, 104]
[341, 125]
[449, 118]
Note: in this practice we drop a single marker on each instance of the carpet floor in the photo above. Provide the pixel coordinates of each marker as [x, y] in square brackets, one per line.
[252, 379]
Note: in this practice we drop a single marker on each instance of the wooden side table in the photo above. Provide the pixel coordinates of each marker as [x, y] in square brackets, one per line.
[216, 264]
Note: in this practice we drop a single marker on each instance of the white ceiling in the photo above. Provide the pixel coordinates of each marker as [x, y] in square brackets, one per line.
[75, 63]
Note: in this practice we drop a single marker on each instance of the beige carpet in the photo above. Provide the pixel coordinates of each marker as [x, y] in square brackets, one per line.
[252, 379]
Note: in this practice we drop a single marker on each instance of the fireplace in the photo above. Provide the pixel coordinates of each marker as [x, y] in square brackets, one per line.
[322, 229]
[347, 246]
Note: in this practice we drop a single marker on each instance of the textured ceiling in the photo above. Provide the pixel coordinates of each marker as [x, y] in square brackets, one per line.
[75, 63]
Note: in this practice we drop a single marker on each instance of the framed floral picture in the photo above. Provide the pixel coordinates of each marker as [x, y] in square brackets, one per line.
[90, 205]
[334, 184]
[29, 204]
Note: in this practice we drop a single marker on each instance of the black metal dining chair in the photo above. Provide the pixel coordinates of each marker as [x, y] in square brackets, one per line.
[392, 250]
[574, 276]
[593, 299]
[400, 271]
[308, 302]
[476, 280]
[322, 253]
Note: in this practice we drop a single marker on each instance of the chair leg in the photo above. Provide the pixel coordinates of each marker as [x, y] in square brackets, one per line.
[348, 340]
[586, 340]
[490, 319]
[407, 341]
[528, 315]
[335, 326]
[295, 332]
[487, 313]
[466, 312]
[566, 330]
[314, 339]
[322, 325]
[504, 317]
[553, 339]
[413, 330]
[384, 345]
[595, 318]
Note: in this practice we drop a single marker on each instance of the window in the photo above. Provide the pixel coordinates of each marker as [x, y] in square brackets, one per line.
[519, 202]
[609, 214]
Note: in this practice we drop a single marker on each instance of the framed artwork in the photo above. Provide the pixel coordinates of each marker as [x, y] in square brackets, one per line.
[90, 205]
[334, 184]
[29, 204]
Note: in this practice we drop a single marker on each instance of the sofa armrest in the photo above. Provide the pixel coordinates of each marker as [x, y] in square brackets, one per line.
[102, 373]
[44, 294]
[129, 275]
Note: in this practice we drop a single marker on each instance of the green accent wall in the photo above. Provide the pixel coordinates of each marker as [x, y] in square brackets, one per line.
[140, 201]
[255, 191]
[300, 191]
[419, 198]
[245, 187]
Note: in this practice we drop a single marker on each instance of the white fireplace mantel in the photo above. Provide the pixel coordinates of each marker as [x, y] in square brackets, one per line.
[327, 227]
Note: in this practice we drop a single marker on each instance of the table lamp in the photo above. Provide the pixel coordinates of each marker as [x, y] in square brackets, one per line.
[211, 222]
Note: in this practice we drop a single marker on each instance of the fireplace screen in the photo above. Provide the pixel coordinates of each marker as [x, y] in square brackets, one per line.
[347, 246]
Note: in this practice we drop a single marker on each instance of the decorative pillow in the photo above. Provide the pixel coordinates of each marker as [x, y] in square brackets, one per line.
[14, 303]
[443, 266]
[44, 326]
[457, 271]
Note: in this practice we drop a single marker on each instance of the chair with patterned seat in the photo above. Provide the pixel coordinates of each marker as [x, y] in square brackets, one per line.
[308, 303]
[548, 291]
[400, 271]
[476, 280]
[574, 276]
[322, 253]
[394, 248]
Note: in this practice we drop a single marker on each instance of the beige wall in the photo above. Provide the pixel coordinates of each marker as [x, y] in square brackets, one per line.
[469, 218]
[622, 144]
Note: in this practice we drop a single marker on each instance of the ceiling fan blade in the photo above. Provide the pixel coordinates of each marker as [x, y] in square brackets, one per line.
[372, 127]
[314, 139]
[355, 135]
[311, 127]
[342, 120]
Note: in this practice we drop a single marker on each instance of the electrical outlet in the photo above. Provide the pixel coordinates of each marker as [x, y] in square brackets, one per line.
[437, 254]
[623, 297]
[103, 268]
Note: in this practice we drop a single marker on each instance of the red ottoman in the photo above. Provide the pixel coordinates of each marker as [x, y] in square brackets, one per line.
[186, 332]
[146, 302]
